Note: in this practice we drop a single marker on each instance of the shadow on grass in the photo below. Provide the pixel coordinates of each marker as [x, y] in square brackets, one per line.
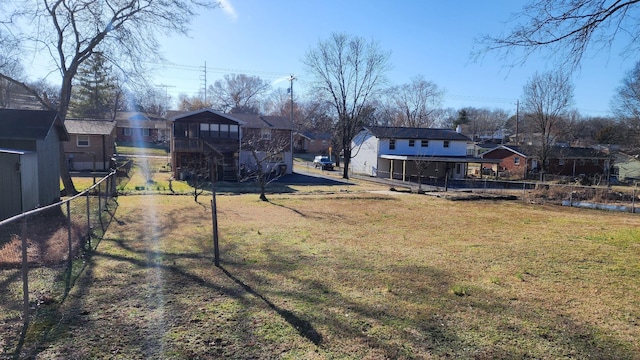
[46, 312]
[375, 326]
[304, 327]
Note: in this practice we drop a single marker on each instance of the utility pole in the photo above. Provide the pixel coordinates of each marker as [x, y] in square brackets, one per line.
[166, 94]
[517, 120]
[291, 78]
[204, 79]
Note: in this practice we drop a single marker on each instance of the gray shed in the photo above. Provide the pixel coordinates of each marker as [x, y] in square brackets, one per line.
[18, 175]
[29, 137]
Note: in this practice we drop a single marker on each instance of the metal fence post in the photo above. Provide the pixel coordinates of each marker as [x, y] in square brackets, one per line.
[88, 221]
[70, 254]
[25, 274]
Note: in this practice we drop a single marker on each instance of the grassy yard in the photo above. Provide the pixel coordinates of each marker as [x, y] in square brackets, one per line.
[355, 275]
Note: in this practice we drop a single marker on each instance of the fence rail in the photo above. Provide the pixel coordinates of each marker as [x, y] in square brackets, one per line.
[40, 251]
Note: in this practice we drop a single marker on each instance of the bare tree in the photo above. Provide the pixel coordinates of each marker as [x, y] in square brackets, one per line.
[267, 157]
[482, 123]
[414, 104]
[187, 103]
[546, 101]
[70, 31]
[566, 29]
[626, 102]
[349, 72]
[239, 93]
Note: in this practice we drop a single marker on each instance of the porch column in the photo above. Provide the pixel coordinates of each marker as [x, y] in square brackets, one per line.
[404, 169]
[391, 170]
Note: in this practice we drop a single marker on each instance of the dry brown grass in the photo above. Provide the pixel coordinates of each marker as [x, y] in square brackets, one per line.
[354, 276]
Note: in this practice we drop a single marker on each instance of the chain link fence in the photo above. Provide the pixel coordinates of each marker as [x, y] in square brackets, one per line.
[42, 252]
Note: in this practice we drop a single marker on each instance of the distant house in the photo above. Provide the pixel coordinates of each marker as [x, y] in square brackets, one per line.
[403, 153]
[311, 142]
[627, 167]
[135, 128]
[562, 161]
[202, 132]
[30, 142]
[91, 145]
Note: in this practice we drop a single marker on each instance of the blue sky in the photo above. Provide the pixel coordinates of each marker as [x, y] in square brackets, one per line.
[426, 37]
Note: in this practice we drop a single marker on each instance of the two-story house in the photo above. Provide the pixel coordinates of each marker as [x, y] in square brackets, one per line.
[232, 140]
[406, 153]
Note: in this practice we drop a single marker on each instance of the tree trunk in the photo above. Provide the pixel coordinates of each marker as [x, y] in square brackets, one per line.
[65, 97]
[347, 158]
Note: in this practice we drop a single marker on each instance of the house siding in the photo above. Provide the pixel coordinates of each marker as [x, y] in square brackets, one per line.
[365, 161]
[97, 156]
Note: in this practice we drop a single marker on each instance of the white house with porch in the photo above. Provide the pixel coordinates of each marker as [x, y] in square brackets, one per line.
[410, 153]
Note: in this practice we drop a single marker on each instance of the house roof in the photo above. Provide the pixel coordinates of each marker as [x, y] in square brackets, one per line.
[315, 136]
[138, 116]
[263, 121]
[245, 120]
[577, 153]
[384, 132]
[90, 127]
[514, 149]
[556, 152]
[30, 124]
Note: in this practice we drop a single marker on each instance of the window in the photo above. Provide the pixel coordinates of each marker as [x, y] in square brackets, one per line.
[145, 132]
[224, 130]
[324, 142]
[412, 143]
[561, 162]
[214, 130]
[595, 161]
[233, 131]
[516, 161]
[127, 131]
[204, 130]
[82, 141]
[392, 144]
[424, 143]
[265, 134]
[446, 143]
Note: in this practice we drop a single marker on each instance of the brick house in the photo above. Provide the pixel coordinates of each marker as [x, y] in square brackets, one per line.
[521, 162]
[91, 145]
[140, 128]
[311, 142]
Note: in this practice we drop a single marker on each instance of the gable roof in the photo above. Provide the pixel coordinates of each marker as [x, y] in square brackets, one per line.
[30, 124]
[514, 149]
[90, 127]
[385, 132]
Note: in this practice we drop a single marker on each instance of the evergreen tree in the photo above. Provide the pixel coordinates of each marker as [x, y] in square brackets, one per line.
[95, 92]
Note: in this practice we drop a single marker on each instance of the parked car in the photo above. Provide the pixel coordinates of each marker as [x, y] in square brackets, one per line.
[323, 162]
